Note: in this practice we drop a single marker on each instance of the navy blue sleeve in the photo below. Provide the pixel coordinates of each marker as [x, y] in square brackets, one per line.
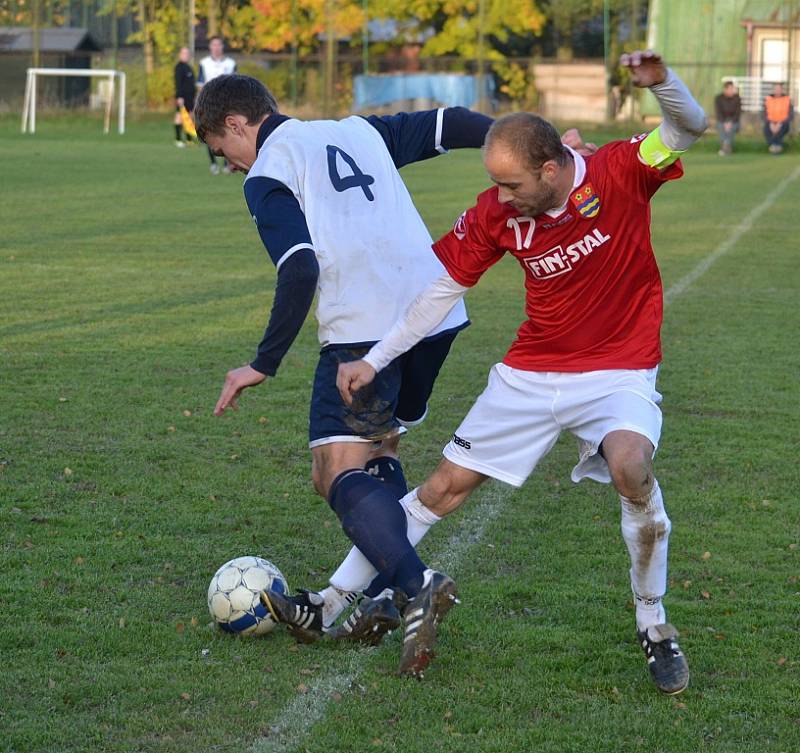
[415, 136]
[294, 293]
[284, 233]
[278, 217]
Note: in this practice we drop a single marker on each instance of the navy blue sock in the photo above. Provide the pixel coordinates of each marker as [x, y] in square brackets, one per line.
[390, 471]
[375, 522]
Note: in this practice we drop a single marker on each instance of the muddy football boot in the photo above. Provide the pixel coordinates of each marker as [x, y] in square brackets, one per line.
[302, 614]
[422, 616]
[666, 661]
[370, 620]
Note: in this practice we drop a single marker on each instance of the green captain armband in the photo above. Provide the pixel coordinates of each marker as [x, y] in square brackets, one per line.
[654, 153]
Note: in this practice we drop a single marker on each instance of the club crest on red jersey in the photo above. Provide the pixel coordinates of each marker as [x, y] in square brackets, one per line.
[587, 201]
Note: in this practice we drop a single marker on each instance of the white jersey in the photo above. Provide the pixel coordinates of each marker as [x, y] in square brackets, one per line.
[373, 249]
[210, 68]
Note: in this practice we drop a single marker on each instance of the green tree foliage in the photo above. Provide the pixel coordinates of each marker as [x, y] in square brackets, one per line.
[458, 26]
[277, 24]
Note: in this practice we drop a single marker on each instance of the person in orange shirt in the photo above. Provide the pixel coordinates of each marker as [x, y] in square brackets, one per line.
[778, 113]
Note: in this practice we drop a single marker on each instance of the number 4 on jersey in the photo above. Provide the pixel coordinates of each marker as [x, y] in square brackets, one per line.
[357, 179]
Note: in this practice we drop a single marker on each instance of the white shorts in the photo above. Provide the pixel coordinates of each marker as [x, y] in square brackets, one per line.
[519, 416]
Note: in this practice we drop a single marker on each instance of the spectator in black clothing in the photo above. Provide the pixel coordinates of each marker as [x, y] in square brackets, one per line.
[184, 93]
[728, 107]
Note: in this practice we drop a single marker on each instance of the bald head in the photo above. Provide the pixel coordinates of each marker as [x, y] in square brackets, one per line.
[530, 139]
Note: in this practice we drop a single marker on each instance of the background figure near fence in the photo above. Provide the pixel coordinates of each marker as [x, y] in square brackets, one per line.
[211, 66]
[184, 94]
[778, 114]
[728, 108]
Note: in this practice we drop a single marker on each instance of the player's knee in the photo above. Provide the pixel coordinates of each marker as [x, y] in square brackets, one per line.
[631, 469]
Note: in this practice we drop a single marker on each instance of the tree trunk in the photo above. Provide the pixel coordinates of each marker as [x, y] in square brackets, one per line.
[213, 20]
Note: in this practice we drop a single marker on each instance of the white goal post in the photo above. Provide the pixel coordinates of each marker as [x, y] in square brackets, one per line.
[29, 104]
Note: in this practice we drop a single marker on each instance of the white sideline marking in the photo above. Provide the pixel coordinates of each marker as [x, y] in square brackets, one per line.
[300, 714]
[744, 226]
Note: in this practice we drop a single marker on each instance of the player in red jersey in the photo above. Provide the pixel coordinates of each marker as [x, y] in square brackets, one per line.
[586, 357]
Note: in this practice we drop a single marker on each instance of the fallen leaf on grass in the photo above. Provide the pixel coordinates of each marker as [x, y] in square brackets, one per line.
[185, 696]
[68, 472]
[705, 594]
[706, 555]
[302, 688]
[781, 661]
[179, 627]
[187, 413]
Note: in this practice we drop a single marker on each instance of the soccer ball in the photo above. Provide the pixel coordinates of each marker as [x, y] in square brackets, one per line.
[233, 595]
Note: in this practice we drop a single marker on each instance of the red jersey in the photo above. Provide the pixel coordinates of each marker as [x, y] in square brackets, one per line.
[593, 290]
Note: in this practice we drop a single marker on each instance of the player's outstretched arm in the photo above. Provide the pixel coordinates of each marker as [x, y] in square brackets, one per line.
[684, 120]
[423, 315]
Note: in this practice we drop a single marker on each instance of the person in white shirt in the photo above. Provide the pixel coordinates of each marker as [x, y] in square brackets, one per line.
[335, 217]
[211, 66]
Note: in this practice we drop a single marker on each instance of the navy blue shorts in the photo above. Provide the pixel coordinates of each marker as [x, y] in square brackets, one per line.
[398, 395]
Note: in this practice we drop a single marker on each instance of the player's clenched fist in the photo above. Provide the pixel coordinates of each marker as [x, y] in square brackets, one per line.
[352, 377]
[646, 67]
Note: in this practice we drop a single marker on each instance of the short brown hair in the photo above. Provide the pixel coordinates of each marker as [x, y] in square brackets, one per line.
[231, 94]
[530, 138]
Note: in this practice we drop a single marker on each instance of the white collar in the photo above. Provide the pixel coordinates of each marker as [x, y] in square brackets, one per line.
[580, 174]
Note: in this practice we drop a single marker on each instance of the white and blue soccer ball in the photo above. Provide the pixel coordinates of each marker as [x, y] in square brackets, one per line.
[233, 595]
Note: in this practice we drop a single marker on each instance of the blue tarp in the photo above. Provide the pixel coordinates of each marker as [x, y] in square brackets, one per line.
[448, 89]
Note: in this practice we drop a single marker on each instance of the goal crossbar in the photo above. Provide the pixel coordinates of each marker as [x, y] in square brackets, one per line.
[29, 103]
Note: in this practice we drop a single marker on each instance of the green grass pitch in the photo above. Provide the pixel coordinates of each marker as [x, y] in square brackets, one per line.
[131, 280]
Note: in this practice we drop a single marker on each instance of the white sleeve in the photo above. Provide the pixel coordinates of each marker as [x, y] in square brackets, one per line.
[684, 119]
[424, 314]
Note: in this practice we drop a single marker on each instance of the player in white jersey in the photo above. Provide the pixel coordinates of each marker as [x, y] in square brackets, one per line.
[213, 65]
[334, 215]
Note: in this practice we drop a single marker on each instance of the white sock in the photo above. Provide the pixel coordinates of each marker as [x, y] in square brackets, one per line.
[645, 528]
[356, 571]
[335, 601]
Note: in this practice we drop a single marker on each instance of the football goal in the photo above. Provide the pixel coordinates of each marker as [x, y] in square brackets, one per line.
[116, 79]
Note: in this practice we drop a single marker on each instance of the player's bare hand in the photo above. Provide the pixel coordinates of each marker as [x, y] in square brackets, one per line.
[352, 377]
[646, 67]
[237, 380]
[179, 101]
[573, 139]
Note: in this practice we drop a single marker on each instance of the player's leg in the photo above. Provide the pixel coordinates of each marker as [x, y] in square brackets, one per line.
[178, 128]
[618, 422]
[418, 370]
[341, 438]
[505, 434]
[214, 167]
